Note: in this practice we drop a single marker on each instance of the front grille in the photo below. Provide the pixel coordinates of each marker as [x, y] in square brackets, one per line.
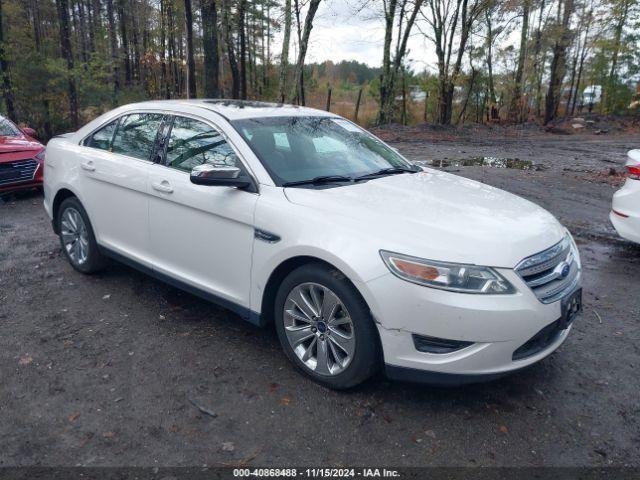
[553, 272]
[17, 171]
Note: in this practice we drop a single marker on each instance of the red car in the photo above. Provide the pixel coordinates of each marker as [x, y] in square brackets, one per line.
[21, 158]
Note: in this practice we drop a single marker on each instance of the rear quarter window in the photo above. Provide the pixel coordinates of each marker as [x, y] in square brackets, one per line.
[102, 138]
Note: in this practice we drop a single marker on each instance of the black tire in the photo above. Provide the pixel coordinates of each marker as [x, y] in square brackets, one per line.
[367, 358]
[95, 261]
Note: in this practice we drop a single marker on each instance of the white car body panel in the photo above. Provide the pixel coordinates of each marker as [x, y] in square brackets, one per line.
[203, 237]
[452, 218]
[627, 201]
[121, 221]
[209, 240]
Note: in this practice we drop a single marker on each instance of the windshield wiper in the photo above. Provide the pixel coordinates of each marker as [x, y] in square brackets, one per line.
[319, 180]
[387, 171]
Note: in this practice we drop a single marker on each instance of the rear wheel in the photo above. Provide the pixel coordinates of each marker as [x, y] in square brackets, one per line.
[325, 327]
[77, 239]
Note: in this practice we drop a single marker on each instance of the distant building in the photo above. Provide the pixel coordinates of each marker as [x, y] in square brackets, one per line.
[592, 95]
[417, 94]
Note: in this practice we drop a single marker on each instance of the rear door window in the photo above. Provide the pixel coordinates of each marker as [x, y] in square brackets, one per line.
[136, 135]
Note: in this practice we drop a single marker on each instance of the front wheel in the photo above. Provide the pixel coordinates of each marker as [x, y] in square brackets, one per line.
[77, 239]
[325, 327]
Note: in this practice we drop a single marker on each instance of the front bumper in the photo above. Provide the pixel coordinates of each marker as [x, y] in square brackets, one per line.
[14, 187]
[497, 326]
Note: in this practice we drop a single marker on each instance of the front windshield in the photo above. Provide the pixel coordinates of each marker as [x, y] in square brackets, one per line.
[295, 149]
[8, 129]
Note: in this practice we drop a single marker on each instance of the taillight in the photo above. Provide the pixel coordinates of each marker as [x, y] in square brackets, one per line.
[633, 171]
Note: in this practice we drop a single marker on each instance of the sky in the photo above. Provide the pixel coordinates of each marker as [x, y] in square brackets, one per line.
[340, 32]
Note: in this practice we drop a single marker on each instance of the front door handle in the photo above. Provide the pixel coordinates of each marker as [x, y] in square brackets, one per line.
[89, 166]
[163, 186]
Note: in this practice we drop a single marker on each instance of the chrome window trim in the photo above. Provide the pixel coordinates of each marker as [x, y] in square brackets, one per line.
[226, 138]
[175, 113]
[118, 118]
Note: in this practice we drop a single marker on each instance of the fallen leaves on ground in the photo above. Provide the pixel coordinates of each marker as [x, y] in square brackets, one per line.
[25, 360]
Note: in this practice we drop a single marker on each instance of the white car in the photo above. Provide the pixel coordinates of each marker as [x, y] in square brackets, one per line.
[625, 207]
[299, 218]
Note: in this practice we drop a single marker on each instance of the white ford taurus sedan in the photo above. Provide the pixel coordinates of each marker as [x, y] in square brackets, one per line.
[299, 218]
[625, 207]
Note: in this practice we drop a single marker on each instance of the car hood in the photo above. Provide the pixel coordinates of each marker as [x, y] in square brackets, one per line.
[439, 216]
[18, 143]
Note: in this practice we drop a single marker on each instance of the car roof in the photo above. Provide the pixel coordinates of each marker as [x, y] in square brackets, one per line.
[235, 109]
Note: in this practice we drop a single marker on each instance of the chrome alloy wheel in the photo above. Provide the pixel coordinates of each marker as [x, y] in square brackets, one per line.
[74, 236]
[319, 328]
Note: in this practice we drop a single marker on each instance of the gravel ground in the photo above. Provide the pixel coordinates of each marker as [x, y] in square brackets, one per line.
[120, 369]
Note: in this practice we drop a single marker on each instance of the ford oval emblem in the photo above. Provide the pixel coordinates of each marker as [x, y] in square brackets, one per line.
[565, 270]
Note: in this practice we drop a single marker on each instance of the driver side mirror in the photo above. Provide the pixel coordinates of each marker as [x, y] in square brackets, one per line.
[30, 132]
[220, 176]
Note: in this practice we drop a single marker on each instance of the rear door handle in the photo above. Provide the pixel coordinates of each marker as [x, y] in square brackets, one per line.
[89, 166]
[163, 186]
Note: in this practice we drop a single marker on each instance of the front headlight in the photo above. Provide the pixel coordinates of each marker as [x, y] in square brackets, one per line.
[446, 276]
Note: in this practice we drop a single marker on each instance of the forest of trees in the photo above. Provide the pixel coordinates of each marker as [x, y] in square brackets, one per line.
[63, 62]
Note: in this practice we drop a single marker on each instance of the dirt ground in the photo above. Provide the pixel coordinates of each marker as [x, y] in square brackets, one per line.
[111, 369]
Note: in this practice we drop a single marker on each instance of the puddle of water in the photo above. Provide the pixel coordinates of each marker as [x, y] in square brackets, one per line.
[494, 162]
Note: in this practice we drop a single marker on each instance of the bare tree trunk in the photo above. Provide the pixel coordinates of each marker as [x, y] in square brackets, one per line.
[355, 115]
[173, 57]
[242, 32]
[233, 64]
[451, 21]
[446, 105]
[7, 90]
[83, 44]
[91, 25]
[210, 44]
[537, 67]
[489, 58]
[135, 60]
[583, 56]
[113, 42]
[164, 80]
[574, 68]
[515, 111]
[126, 58]
[617, 39]
[466, 99]
[35, 20]
[284, 57]
[390, 69]
[191, 64]
[558, 64]
[67, 53]
[384, 115]
[302, 51]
